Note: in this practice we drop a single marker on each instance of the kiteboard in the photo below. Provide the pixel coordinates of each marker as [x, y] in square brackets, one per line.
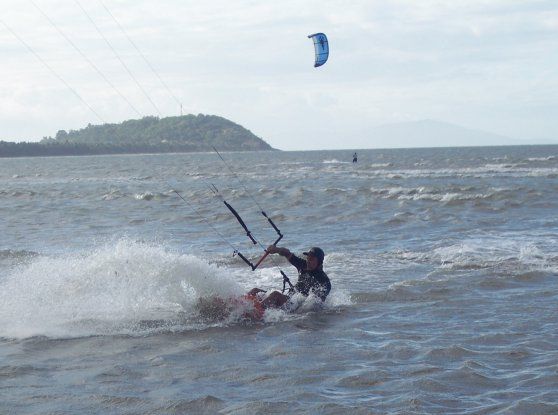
[247, 307]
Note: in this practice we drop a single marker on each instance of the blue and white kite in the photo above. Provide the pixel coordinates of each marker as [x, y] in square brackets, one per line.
[321, 47]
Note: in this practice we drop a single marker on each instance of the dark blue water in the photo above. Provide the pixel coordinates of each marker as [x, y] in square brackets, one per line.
[443, 264]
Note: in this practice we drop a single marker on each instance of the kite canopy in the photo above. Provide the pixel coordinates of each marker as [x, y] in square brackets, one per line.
[321, 47]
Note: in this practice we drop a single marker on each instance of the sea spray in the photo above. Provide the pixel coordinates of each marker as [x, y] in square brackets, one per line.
[109, 290]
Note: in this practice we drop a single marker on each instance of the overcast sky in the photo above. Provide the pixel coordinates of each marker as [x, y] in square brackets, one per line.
[482, 64]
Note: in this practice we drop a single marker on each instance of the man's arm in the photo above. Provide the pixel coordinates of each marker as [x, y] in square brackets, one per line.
[272, 249]
[298, 263]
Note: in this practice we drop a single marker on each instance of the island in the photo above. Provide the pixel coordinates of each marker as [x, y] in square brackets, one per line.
[181, 134]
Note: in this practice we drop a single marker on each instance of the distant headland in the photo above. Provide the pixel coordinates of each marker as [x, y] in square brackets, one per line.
[183, 134]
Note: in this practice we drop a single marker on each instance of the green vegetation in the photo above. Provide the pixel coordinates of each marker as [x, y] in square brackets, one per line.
[188, 133]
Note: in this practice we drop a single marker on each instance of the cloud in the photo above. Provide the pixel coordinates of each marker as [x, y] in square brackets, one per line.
[475, 63]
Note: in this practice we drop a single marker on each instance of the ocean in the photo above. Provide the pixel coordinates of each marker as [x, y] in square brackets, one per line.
[443, 264]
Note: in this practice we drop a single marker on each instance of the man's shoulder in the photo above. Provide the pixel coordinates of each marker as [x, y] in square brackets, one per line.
[298, 262]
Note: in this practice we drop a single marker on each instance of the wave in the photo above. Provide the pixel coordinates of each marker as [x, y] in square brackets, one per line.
[548, 158]
[450, 195]
[10, 258]
[17, 193]
[335, 161]
[9, 253]
[113, 194]
[150, 196]
[400, 218]
[488, 253]
[517, 256]
[144, 196]
[486, 171]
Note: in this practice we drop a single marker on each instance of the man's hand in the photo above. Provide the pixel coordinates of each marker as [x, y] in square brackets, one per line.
[272, 249]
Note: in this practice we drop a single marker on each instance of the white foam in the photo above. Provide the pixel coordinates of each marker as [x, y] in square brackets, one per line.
[105, 291]
[488, 170]
[501, 252]
[335, 161]
[144, 196]
[549, 158]
[380, 165]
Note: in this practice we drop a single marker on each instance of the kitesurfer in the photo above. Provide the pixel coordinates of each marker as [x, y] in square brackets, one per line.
[355, 158]
[311, 277]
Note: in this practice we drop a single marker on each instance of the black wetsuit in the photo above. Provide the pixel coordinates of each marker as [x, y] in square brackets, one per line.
[315, 281]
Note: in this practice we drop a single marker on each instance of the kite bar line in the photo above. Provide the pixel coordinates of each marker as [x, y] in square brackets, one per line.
[248, 232]
[263, 257]
[286, 280]
[262, 211]
[266, 253]
[248, 193]
[234, 212]
[235, 251]
[46, 65]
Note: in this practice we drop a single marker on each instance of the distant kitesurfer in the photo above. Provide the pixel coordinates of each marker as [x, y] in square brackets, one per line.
[355, 158]
[311, 277]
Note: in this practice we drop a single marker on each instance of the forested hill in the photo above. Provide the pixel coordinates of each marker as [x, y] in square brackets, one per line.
[188, 133]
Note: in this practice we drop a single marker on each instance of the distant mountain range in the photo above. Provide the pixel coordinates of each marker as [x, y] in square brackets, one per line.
[188, 133]
[430, 133]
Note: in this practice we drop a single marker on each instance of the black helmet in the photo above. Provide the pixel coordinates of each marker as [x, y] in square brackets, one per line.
[316, 252]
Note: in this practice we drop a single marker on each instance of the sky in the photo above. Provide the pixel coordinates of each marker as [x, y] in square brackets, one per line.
[487, 65]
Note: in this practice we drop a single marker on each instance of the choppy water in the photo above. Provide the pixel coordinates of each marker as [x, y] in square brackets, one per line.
[443, 263]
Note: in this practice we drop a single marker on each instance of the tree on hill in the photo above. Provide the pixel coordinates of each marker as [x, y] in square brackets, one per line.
[198, 131]
[188, 133]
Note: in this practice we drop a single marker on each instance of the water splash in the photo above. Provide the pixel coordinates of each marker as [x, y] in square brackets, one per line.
[123, 288]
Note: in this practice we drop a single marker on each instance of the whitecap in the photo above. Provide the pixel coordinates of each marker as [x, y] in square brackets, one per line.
[144, 196]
